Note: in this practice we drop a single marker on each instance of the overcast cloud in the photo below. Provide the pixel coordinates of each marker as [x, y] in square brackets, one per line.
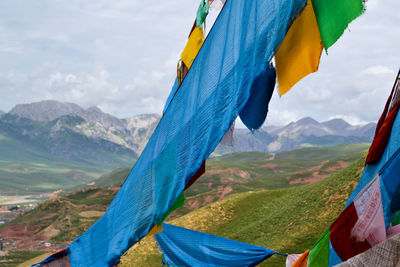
[121, 56]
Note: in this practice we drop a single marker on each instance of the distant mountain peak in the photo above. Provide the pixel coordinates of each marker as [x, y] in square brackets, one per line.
[94, 109]
[46, 110]
[336, 123]
[307, 120]
[49, 110]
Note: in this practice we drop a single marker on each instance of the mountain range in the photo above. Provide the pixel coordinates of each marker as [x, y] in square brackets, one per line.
[305, 132]
[67, 130]
[44, 144]
[49, 145]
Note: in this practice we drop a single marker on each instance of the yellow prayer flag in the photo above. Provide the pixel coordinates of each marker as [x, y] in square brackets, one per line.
[300, 51]
[155, 230]
[193, 46]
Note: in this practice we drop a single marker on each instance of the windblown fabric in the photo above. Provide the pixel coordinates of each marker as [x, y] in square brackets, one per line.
[386, 253]
[396, 218]
[302, 261]
[184, 247]
[300, 51]
[361, 225]
[255, 111]
[217, 4]
[193, 46]
[202, 12]
[333, 17]
[197, 175]
[179, 202]
[319, 253]
[388, 166]
[389, 181]
[217, 86]
[155, 230]
[58, 259]
[291, 259]
[370, 210]
[385, 123]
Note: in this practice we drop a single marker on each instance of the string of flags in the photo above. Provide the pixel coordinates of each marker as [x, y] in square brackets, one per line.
[372, 211]
[220, 76]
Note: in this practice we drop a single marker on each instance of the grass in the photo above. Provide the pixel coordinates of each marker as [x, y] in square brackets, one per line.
[263, 208]
[288, 220]
[116, 177]
[16, 257]
[64, 214]
[25, 169]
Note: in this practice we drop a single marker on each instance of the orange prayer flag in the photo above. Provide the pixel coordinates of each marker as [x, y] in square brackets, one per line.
[155, 230]
[302, 261]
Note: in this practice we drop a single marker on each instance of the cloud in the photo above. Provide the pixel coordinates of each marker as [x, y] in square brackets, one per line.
[378, 70]
[121, 56]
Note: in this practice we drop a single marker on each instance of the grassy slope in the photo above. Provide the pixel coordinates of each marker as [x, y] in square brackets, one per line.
[243, 172]
[249, 171]
[27, 170]
[116, 177]
[70, 215]
[16, 257]
[287, 220]
[70, 222]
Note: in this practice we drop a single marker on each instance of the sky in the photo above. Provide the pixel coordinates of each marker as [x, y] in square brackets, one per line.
[121, 56]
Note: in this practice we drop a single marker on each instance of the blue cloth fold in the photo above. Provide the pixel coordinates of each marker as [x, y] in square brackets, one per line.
[255, 111]
[389, 168]
[242, 41]
[184, 247]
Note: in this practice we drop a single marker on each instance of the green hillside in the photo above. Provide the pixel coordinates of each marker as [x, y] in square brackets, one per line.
[287, 220]
[59, 220]
[249, 171]
[264, 180]
[116, 177]
[25, 169]
[253, 171]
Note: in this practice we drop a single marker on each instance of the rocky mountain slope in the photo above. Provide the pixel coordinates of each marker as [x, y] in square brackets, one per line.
[306, 132]
[37, 139]
[132, 133]
[49, 145]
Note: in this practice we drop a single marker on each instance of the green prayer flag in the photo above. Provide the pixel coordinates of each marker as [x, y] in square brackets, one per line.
[202, 12]
[179, 202]
[319, 253]
[396, 218]
[333, 17]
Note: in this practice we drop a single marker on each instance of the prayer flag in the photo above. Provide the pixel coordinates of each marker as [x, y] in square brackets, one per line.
[302, 261]
[361, 225]
[193, 46]
[319, 253]
[333, 17]
[155, 230]
[300, 51]
[202, 12]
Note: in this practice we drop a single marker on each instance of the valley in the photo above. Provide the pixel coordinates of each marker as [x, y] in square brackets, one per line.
[57, 221]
